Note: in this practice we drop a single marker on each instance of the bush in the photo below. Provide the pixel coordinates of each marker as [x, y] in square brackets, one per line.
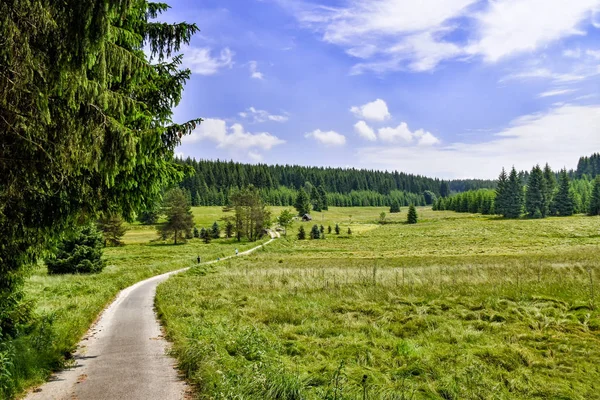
[315, 233]
[80, 253]
[412, 217]
[301, 233]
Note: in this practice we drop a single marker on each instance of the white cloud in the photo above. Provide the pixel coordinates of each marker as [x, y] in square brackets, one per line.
[365, 131]
[375, 111]
[572, 53]
[254, 73]
[558, 137]
[507, 27]
[256, 157]
[556, 92]
[200, 60]
[391, 35]
[233, 137]
[595, 54]
[403, 134]
[581, 73]
[329, 138]
[261, 115]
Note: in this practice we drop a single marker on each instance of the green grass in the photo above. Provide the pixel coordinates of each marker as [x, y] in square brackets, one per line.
[67, 305]
[457, 306]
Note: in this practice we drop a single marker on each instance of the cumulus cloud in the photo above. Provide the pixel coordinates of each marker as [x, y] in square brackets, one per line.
[559, 137]
[233, 137]
[200, 60]
[403, 134]
[328, 138]
[365, 131]
[257, 115]
[254, 73]
[375, 111]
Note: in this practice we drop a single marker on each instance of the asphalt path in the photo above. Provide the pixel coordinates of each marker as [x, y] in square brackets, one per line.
[123, 355]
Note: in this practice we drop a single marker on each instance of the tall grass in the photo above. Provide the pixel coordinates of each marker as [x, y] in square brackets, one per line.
[458, 306]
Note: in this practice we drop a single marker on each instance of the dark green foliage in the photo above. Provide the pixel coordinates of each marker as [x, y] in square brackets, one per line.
[302, 203]
[150, 216]
[337, 229]
[315, 199]
[322, 229]
[301, 233]
[213, 182]
[206, 237]
[229, 229]
[430, 197]
[215, 231]
[251, 213]
[535, 201]
[563, 203]
[85, 120]
[78, 253]
[329, 229]
[411, 217]
[349, 231]
[180, 220]
[444, 189]
[112, 229]
[478, 201]
[203, 233]
[196, 233]
[514, 203]
[550, 182]
[395, 207]
[589, 166]
[502, 194]
[315, 233]
[595, 198]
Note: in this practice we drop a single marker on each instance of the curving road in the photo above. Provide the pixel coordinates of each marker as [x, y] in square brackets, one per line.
[123, 356]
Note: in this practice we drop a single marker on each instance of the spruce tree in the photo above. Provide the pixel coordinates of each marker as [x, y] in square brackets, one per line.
[302, 202]
[534, 196]
[315, 199]
[337, 229]
[514, 200]
[349, 231]
[502, 194]
[180, 220]
[322, 229]
[550, 182]
[595, 198]
[315, 233]
[196, 233]
[215, 231]
[395, 207]
[329, 229]
[564, 204]
[78, 253]
[444, 189]
[229, 229]
[323, 198]
[301, 233]
[86, 122]
[412, 216]
[112, 229]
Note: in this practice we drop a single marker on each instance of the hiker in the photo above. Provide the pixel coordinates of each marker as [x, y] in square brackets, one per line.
[236, 252]
[199, 260]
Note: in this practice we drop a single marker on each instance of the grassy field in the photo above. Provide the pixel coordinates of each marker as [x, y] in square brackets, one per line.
[457, 306]
[67, 305]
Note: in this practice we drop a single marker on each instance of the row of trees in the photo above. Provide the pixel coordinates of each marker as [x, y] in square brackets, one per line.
[217, 178]
[542, 196]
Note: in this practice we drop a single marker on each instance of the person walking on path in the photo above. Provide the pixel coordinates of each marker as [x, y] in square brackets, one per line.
[199, 259]
[236, 252]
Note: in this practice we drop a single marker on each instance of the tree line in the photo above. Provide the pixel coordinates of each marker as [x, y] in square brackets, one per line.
[210, 182]
[545, 193]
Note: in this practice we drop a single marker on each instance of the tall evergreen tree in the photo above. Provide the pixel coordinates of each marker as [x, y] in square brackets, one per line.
[112, 229]
[502, 194]
[514, 204]
[395, 207]
[302, 203]
[444, 189]
[323, 198]
[85, 120]
[550, 182]
[315, 199]
[535, 205]
[563, 203]
[215, 231]
[180, 220]
[595, 198]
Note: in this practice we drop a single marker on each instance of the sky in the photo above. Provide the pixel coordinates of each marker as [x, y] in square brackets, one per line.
[443, 88]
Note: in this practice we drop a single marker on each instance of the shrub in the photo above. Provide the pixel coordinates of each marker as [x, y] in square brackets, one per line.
[80, 253]
[315, 233]
[412, 217]
[301, 233]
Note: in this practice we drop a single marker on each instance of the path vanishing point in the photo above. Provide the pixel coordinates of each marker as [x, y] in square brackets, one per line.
[123, 356]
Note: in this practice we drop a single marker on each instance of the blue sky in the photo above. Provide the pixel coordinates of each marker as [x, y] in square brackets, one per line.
[446, 88]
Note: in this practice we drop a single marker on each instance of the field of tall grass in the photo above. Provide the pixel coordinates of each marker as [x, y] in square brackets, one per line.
[457, 306]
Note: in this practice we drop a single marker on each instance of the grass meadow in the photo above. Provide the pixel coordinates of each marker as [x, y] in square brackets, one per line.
[458, 306]
[66, 305]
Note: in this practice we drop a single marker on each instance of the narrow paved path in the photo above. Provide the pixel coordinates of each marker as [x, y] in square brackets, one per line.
[123, 356]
